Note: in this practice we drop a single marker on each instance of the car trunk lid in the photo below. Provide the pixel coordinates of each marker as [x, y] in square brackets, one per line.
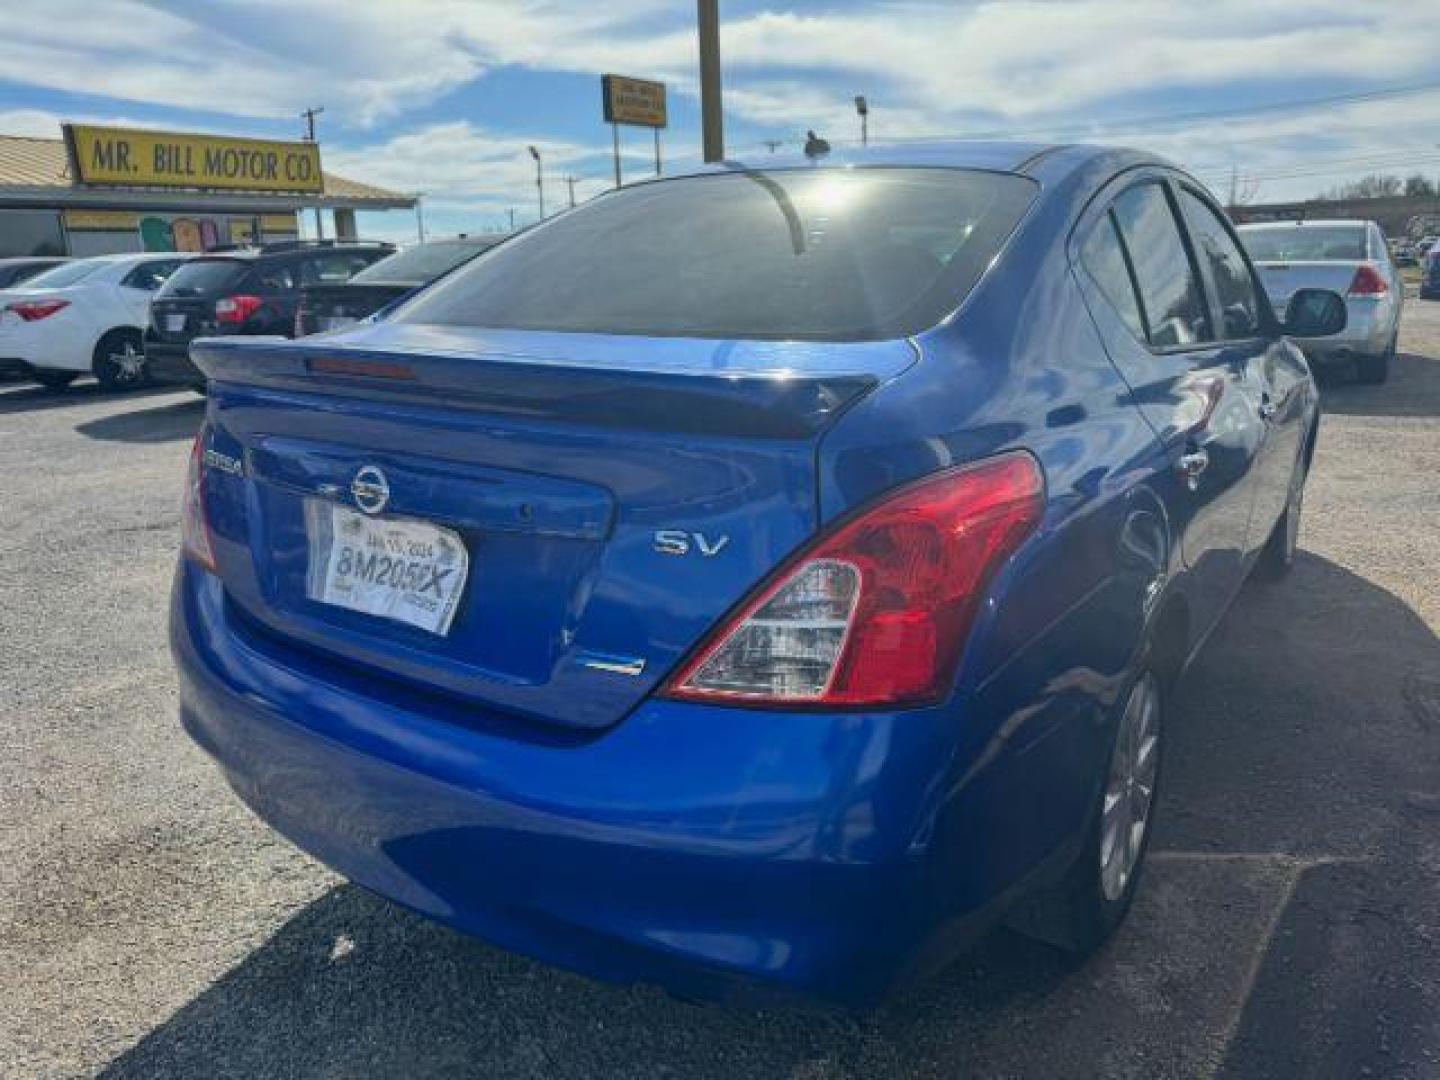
[1282, 279]
[555, 459]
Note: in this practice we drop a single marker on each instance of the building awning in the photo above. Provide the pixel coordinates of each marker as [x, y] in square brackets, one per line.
[36, 173]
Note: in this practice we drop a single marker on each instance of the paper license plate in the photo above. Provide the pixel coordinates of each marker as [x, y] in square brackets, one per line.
[396, 568]
[174, 322]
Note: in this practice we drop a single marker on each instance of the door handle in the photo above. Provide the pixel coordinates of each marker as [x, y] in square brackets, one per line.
[1268, 408]
[1191, 464]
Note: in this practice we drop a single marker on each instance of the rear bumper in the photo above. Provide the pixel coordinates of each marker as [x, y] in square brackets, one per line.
[169, 363]
[707, 850]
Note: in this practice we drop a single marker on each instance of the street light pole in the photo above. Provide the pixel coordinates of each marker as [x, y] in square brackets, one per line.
[711, 119]
[539, 180]
[863, 108]
[570, 180]
[309, 115]
[420, 215]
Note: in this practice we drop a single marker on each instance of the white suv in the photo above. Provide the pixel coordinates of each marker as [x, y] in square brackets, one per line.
[86, 316]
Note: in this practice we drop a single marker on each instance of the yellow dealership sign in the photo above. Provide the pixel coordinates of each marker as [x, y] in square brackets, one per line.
[633, 101]
[131, 157]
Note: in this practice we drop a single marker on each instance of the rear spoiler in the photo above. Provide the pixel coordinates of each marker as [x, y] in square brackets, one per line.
[778, 404]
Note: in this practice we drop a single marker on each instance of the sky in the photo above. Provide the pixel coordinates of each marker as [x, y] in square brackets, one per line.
[1281, 98]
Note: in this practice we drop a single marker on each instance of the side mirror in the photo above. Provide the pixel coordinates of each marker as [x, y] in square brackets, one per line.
[1314, 313]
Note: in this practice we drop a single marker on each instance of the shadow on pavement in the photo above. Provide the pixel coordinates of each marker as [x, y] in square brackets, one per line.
[1291, 736]
[1413, 389]
[31, 397]
[164, 423]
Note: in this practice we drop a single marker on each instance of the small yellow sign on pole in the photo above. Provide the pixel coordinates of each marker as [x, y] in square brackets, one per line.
[633, 101]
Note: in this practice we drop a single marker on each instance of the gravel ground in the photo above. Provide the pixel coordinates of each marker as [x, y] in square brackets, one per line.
[1289, 924]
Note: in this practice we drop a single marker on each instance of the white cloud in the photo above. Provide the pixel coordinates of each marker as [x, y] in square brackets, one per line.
[929, 67]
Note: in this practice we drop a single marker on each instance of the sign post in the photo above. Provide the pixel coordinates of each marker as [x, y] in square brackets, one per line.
[638, 102]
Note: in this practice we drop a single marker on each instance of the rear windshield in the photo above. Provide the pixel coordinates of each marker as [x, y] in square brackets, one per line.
[1305, 243]
[203, 277]
[424, 262]
[64, 274]
[822, 254]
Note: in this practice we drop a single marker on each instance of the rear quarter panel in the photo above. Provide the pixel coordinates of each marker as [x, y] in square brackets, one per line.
[1022, 366]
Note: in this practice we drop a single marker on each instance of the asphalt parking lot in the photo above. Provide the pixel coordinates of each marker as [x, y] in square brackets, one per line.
[1289, 924]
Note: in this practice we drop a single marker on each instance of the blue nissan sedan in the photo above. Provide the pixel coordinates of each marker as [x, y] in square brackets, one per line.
[763, 579]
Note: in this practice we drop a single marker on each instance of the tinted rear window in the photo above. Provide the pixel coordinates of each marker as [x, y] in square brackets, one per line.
[1305, 243]
[203, 277]
[421, 263]
[822, 254]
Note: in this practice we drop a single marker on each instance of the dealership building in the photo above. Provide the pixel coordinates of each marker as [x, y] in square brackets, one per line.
[101, 190]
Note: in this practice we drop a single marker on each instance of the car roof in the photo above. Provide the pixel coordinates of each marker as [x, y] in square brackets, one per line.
[996, 155]
[249, 254]
[1291, 223]
[137, 256]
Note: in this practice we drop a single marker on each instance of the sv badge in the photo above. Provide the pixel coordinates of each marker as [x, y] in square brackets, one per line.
[679, 542]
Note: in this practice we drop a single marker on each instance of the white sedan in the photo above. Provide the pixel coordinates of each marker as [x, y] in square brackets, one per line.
[86, 316]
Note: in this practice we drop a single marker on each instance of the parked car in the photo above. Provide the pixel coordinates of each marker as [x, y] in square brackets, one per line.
[22, 267]
[243, 291]
[756, 576]
[1430, 271]
[1402, 252]
[1348, 257]
[331, 306]
[84, 316]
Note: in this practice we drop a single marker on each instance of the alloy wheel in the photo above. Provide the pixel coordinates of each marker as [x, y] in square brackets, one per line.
[1130, 788]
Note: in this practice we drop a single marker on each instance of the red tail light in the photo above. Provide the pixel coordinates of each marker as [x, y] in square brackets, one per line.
[875, 612]
[1368, 282]
[236, 309]
[194, 524]
[34, 310]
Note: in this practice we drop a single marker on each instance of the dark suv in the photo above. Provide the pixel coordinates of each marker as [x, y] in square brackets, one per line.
[243, 291]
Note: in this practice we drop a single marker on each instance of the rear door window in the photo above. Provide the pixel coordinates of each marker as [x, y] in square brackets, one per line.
[1108, 266]
[1235, 291]
[1169, 285]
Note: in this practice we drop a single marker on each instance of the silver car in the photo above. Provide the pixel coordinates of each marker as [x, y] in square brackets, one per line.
[1347, 257]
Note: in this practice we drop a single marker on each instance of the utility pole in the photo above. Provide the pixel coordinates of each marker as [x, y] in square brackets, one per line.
[511, 212]
[420, 216]
[539, 180]
[773, 144]
[309, 116]
[863, 108]
[711, 119]
[570, 181]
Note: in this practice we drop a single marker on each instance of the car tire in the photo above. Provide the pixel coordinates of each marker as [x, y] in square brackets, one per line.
[1373, 370]
[1091, 901]
[1277, 557]
[120, 361]
[55, 380]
